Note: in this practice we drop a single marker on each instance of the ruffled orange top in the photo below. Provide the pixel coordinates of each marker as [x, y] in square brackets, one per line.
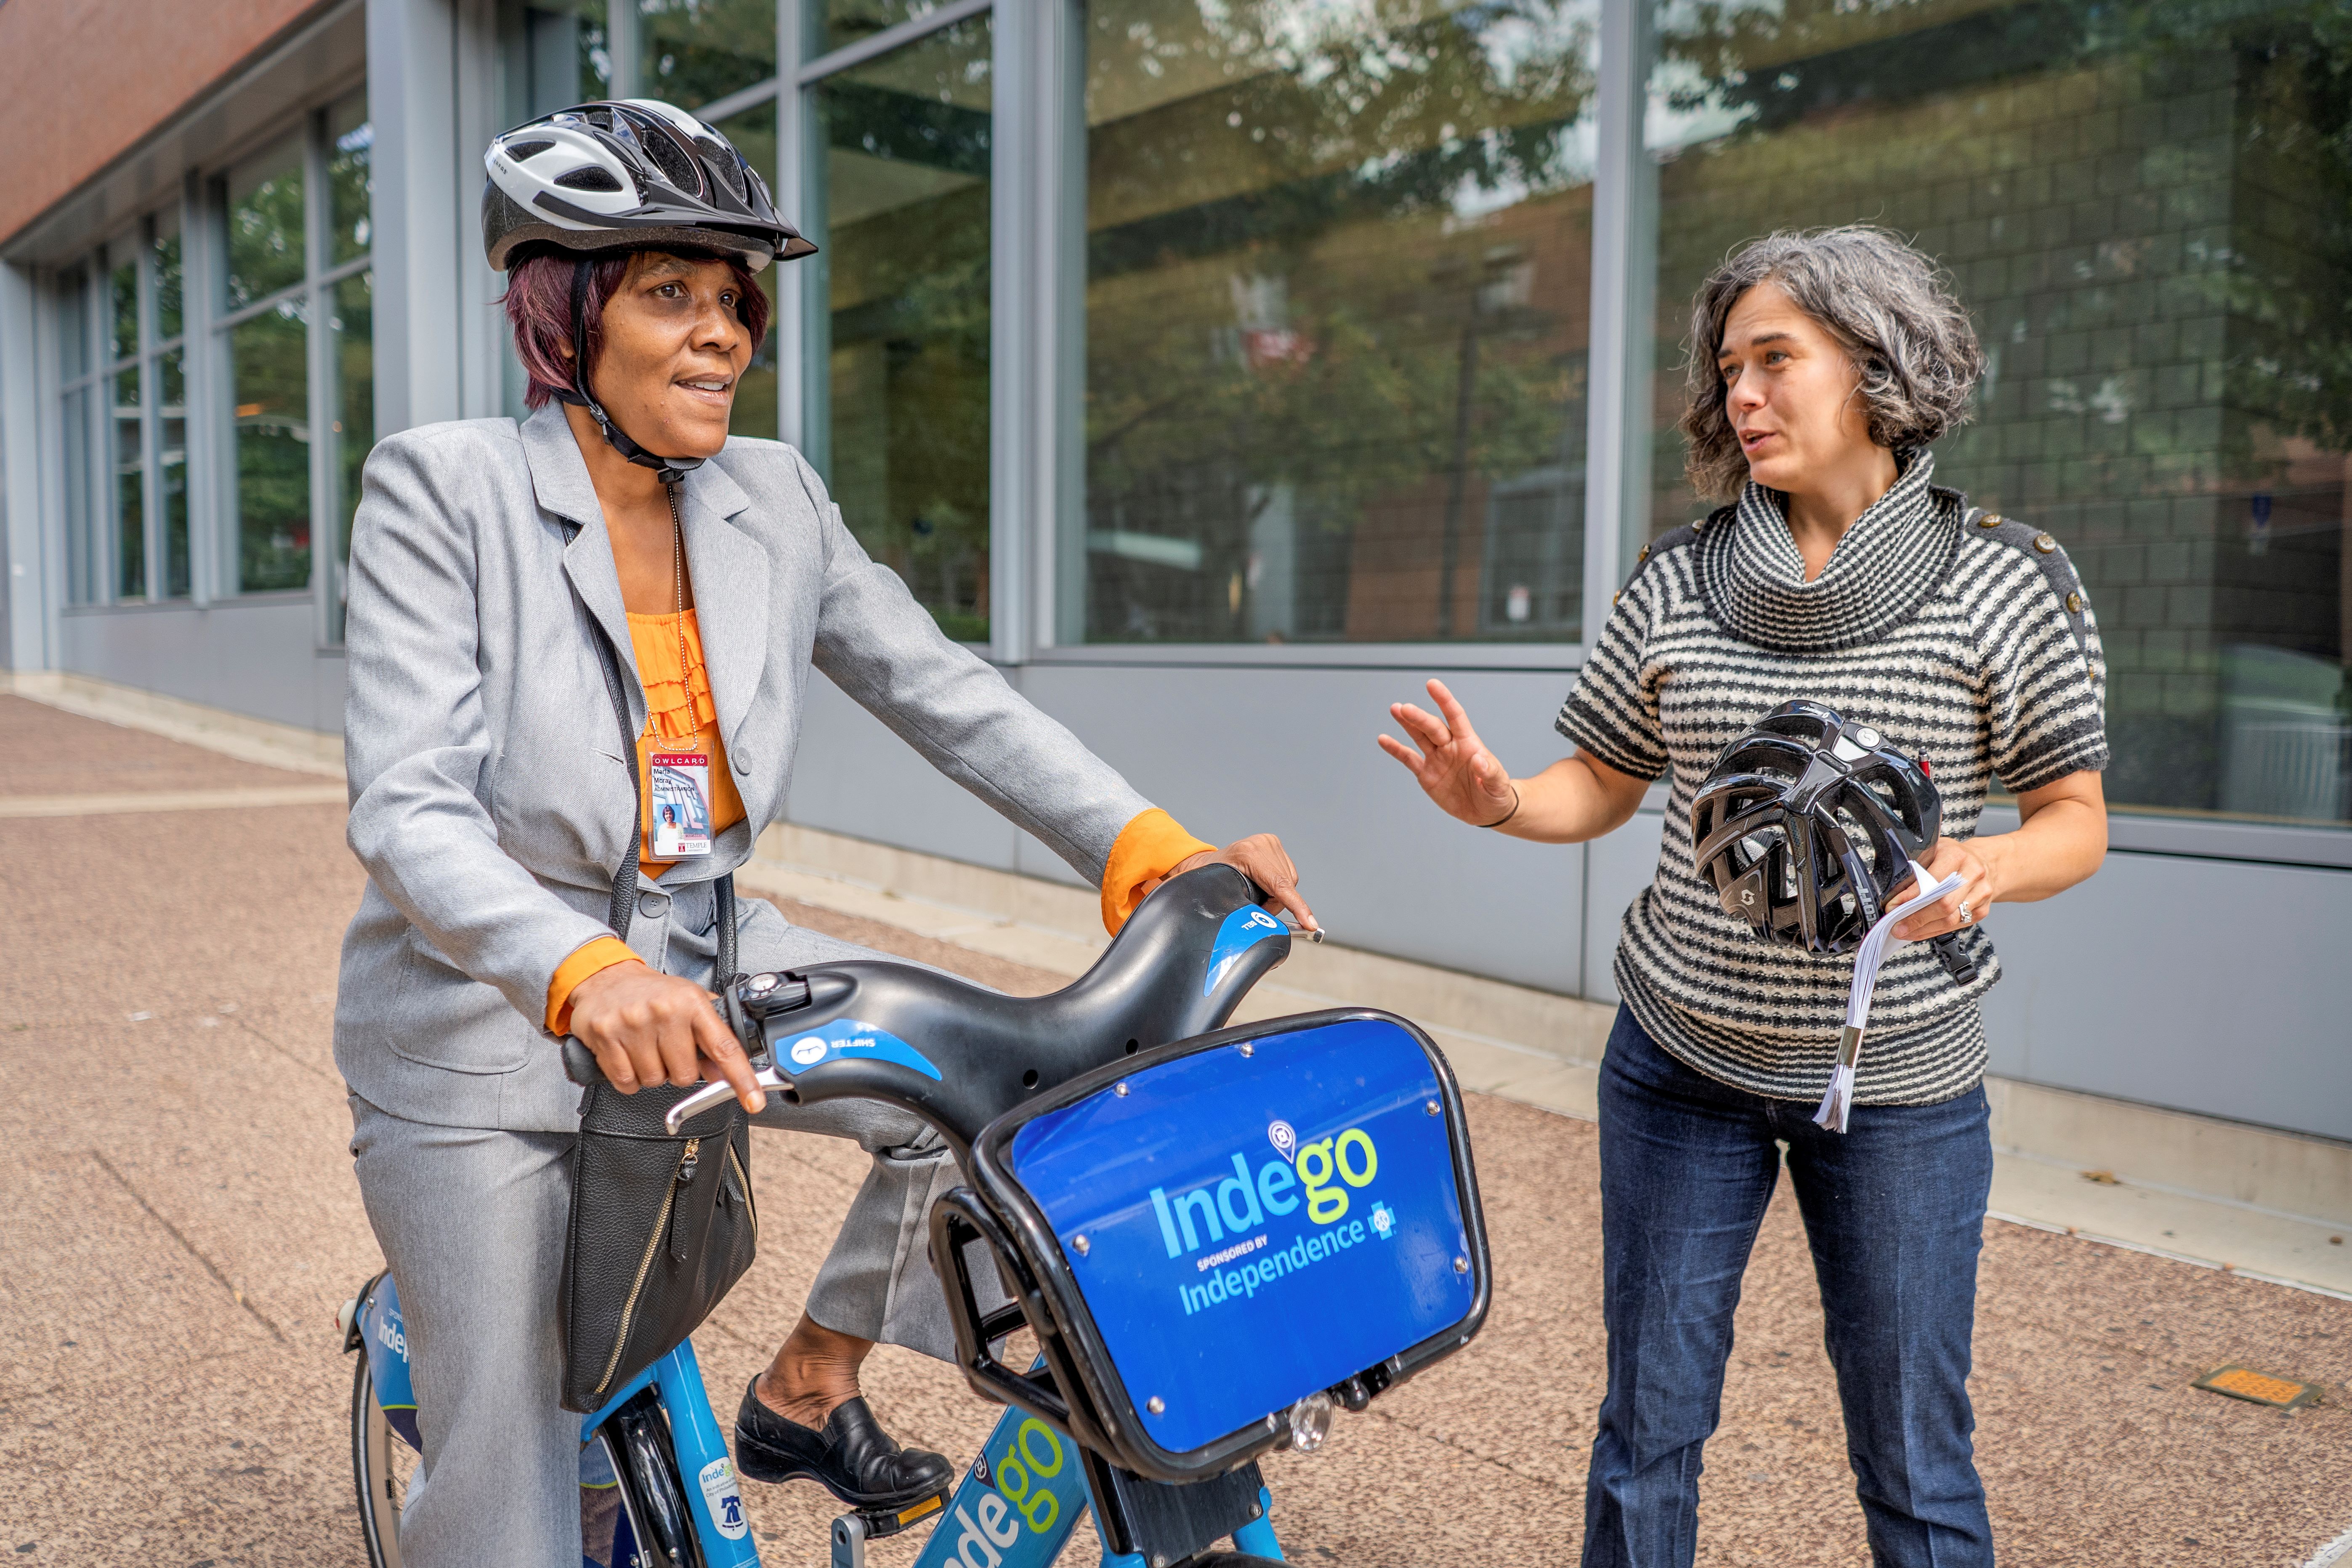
[679, 707]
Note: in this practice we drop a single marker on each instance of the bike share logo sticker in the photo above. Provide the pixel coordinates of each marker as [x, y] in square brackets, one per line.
[1243, 929]
[725, 1496]
[1229, 1219]
[849, 1038]
[1284, 1138]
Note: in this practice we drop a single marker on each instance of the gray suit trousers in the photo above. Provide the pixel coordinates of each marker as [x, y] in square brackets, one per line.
[471, 1222]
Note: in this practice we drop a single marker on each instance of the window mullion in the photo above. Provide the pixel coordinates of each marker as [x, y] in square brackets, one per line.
[151, 387]
[319, 348]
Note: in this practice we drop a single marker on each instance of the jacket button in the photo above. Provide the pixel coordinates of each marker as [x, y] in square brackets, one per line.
[652, 903]
[2044, 544]
[2074, 603]
[1990, 519]
[1644, 556]
[743, 764]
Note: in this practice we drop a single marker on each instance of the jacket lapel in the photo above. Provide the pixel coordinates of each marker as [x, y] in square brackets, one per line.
[730, 593]
[559, 477]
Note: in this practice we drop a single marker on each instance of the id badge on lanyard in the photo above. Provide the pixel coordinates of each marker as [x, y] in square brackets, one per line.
[681, 804]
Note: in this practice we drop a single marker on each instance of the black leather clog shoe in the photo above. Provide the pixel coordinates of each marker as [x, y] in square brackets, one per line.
[852, 1457]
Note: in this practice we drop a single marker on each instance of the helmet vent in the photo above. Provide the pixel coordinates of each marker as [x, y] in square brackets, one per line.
[671, 160]
[588, 177]
[725, 165]
[522, 151]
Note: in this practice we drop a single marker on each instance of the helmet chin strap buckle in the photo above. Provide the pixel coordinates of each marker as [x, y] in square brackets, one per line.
[668, 470]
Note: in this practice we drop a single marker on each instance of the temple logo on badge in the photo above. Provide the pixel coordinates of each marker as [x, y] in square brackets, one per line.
[1285, 1140]
[1384, 1219]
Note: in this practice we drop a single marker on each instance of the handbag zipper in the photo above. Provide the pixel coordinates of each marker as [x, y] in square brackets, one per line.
[645, 1267]
[743, 1180]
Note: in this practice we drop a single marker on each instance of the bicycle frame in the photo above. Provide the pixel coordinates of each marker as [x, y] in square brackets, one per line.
[1015, 1506]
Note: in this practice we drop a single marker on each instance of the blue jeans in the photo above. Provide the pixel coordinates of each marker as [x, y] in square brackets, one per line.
[1893, 1210]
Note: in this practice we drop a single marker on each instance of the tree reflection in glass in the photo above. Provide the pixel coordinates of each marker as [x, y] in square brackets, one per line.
[2147, 206]
[899, 404]
[1337, 283]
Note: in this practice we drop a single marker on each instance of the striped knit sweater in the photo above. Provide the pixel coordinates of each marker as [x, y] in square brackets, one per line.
[1964, 640]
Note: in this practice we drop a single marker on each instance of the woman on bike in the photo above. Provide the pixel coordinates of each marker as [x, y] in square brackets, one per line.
[1822, 368]
[490, 804]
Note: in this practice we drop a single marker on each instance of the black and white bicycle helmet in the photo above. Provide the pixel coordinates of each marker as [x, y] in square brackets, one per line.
[625, 174]
[1808, 822]
[628, 174]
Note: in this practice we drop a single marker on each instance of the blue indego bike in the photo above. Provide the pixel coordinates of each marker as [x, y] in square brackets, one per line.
[1215, 1236]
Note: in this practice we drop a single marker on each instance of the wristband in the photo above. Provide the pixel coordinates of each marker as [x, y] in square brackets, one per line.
[1507, 816]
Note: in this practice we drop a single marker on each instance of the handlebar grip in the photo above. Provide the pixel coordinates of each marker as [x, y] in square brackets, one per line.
[580, 1064]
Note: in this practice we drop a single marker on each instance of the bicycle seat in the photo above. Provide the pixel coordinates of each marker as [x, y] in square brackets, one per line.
[958, 1055]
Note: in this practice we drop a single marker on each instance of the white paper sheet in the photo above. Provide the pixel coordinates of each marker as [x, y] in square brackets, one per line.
[1839, 1100]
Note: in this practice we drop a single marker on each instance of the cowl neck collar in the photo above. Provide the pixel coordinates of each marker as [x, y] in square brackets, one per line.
[1886, 567]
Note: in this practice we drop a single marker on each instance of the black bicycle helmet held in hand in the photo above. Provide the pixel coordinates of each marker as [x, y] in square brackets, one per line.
[1807, 825]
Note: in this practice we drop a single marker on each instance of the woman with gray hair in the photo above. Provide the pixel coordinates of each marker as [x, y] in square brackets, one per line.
[1824, 366]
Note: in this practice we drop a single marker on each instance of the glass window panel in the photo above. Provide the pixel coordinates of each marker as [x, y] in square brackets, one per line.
[270, 474]
[170, 277]
[2149, 215]
[354, 429]
[553, 55]
[836, 24]
[85, 578]
[171, 470]
[696, 51]
[130, 491]
[73, 323]
[754, 414]
[264, 224]
[350, 180]
[900, 171]
[122, 308]
[1337, 273]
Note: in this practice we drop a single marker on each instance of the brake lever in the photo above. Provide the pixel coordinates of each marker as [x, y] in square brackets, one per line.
[716, 1094]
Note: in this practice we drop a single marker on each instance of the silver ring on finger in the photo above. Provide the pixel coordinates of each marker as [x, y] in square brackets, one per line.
[1964, 916]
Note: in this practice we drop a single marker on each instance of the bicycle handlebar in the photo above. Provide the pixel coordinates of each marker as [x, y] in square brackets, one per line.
[958, 1055]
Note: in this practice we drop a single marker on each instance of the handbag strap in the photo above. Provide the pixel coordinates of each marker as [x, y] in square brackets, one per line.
[625, 880]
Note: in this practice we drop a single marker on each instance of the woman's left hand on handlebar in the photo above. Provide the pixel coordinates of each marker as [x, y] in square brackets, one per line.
[1944, 916]
[1262, 859]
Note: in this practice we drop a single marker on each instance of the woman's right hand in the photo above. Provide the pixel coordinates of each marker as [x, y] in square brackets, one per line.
[1452, 767]
[645, 1028]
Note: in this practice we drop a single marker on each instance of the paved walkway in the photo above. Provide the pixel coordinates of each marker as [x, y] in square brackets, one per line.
[178, 1224]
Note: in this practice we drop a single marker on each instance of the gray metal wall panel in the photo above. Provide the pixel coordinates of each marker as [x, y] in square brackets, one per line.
[258, 657]
[2209, 985]
[1231, 751]
[855, 776]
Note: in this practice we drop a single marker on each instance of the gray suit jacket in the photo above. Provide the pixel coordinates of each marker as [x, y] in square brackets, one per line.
[490, 792]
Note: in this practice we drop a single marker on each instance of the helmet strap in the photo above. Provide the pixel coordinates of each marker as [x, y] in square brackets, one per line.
[669, 471]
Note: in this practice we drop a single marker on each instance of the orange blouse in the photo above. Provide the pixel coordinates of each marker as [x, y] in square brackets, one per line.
[679, 707]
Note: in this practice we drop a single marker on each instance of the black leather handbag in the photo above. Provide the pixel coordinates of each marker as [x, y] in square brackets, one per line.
[661, 1226]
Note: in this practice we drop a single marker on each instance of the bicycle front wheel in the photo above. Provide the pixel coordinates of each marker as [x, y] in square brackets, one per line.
[382, 1466]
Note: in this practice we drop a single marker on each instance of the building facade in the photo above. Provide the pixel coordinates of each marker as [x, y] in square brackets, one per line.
[1223, 368]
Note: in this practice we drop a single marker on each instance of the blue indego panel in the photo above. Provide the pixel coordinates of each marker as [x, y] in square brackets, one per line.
[1256, 1227]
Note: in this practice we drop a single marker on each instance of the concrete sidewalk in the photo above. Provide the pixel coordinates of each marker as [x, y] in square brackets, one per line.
[179, 1223]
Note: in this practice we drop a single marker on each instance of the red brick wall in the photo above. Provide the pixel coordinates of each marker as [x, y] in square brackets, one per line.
[83, 80]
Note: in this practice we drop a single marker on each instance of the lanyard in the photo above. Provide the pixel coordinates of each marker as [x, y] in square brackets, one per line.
[1839, 1100]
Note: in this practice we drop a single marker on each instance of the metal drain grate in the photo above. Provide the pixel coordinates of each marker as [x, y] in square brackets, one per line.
[2241, 1381]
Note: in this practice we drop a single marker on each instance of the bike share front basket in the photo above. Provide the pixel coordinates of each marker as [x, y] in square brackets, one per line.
[1214, 1229]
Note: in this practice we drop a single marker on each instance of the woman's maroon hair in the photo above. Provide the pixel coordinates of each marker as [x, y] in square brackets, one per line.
[538, 308]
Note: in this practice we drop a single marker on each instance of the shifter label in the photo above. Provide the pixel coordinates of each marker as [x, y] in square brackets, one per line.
[849, 1038]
